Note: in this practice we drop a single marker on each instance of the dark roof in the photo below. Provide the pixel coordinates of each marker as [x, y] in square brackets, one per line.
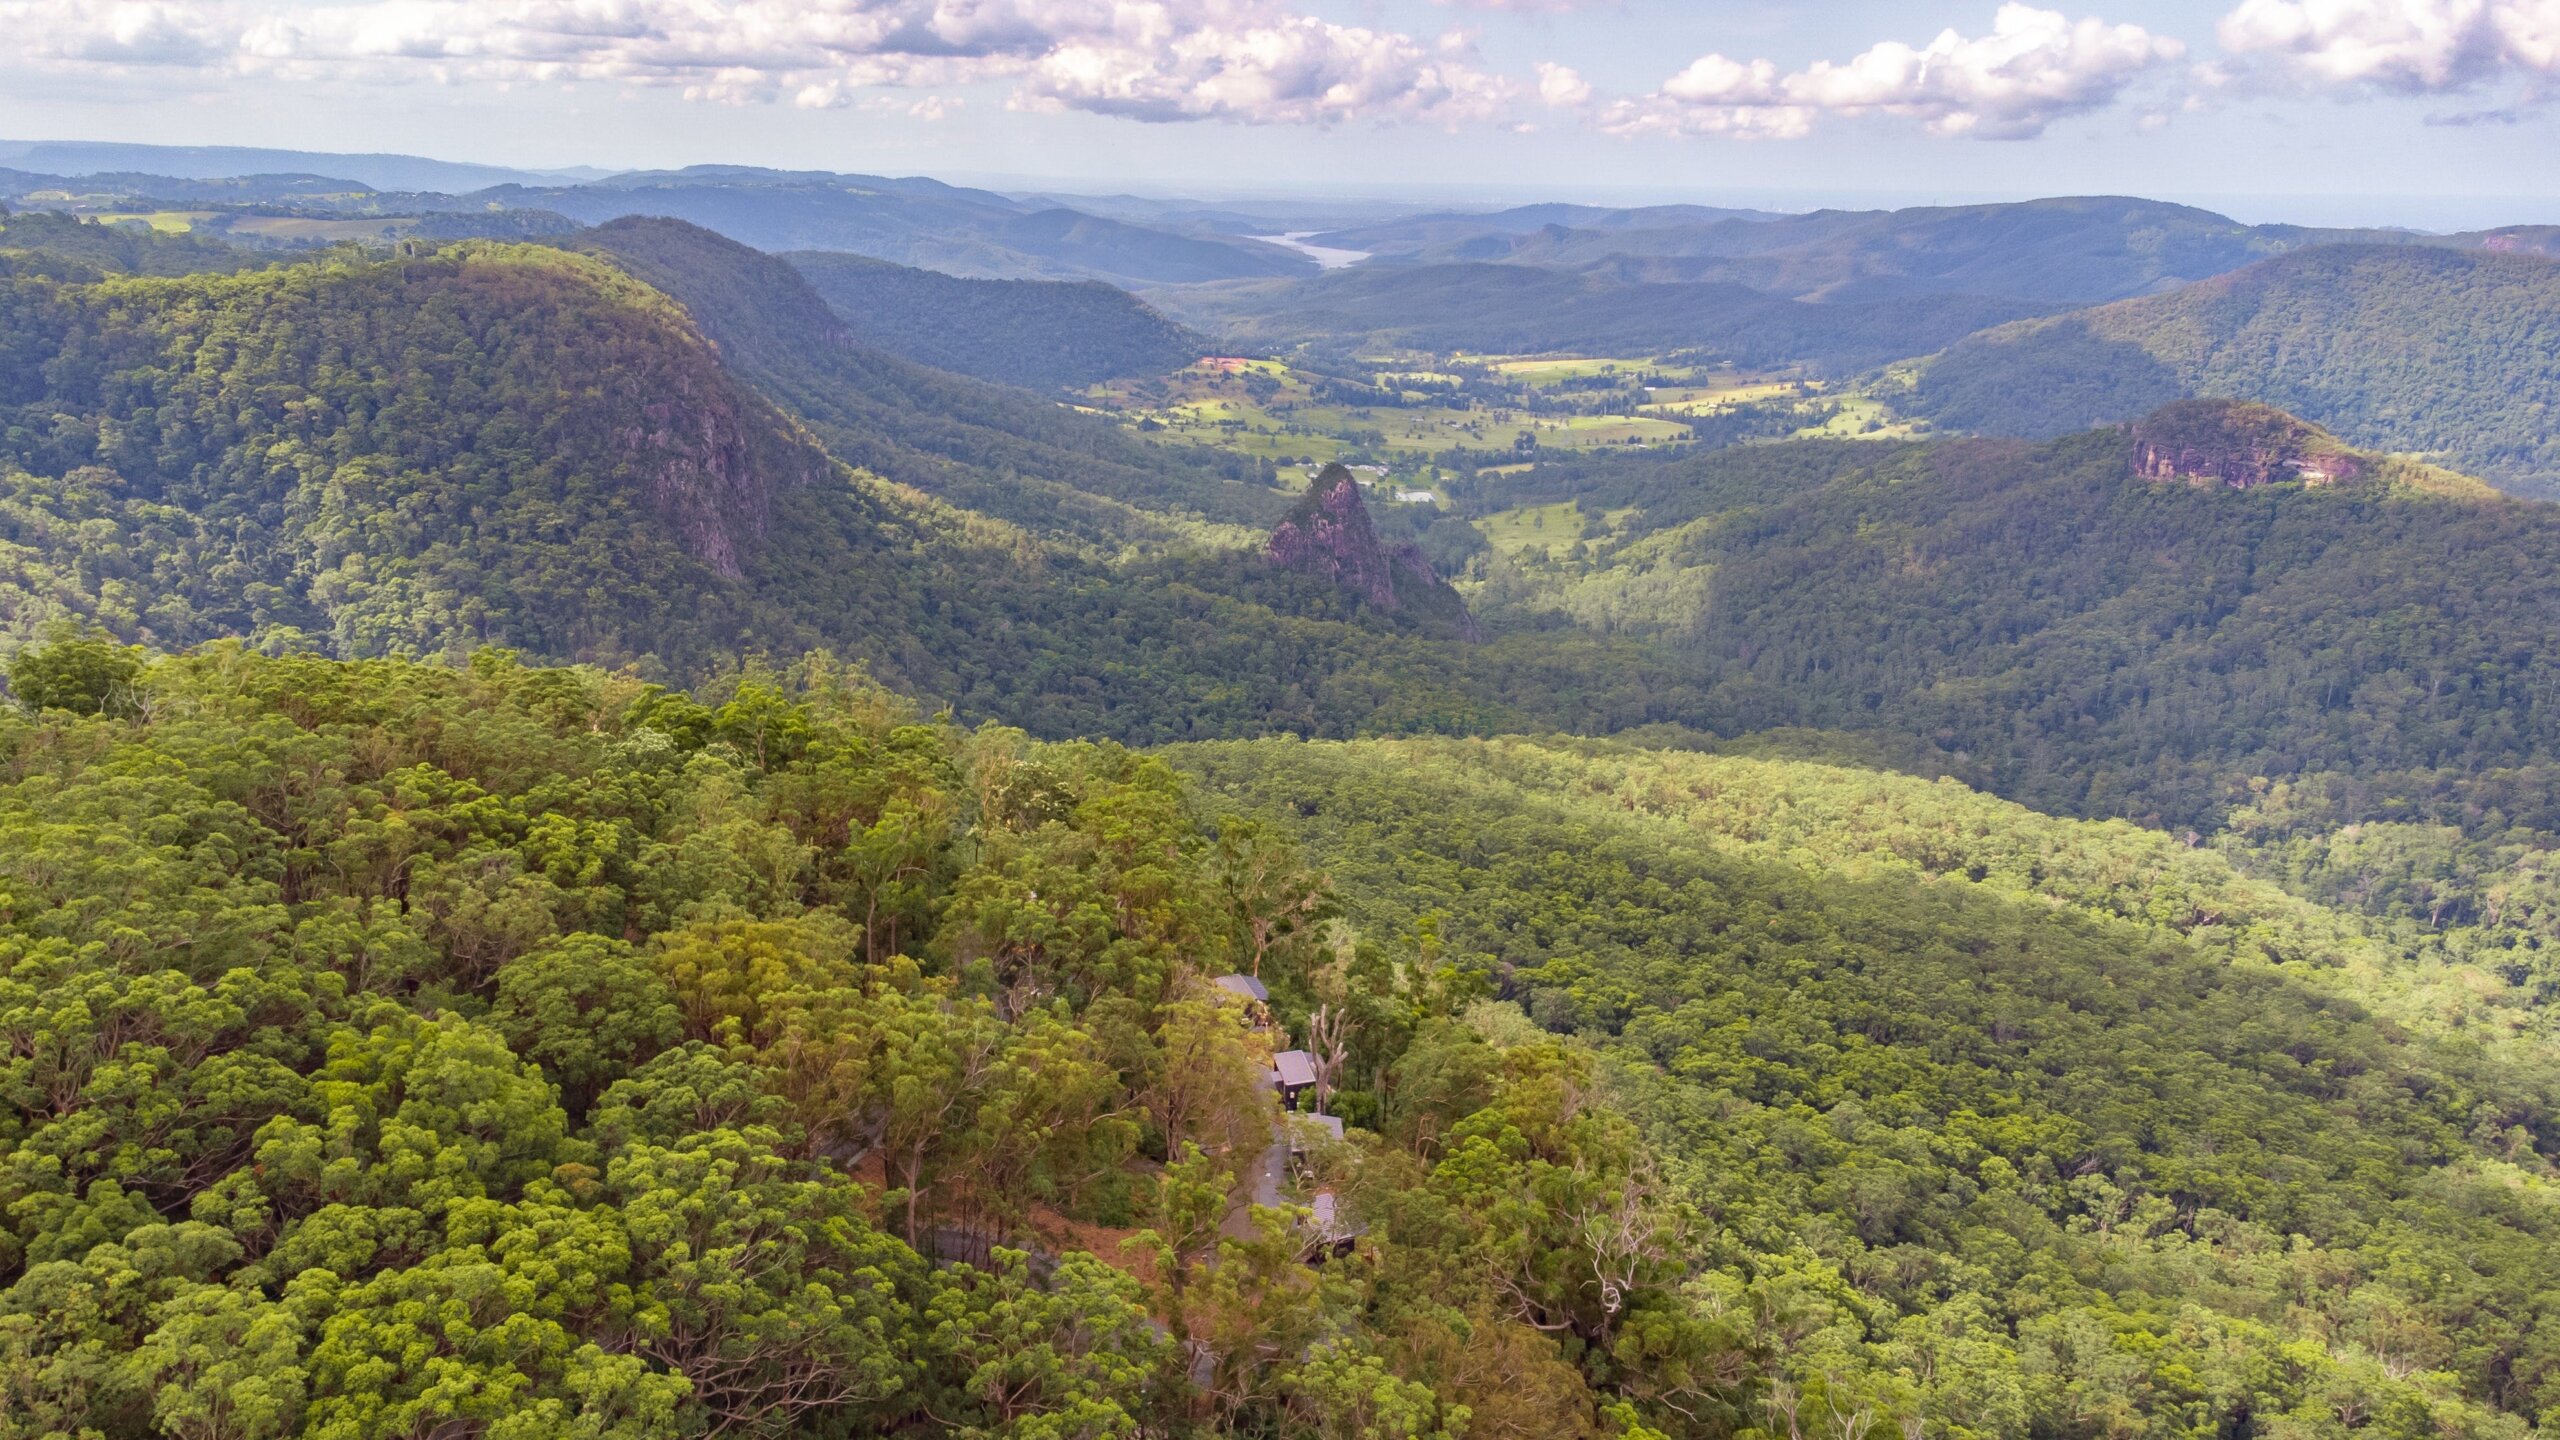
[1246, 986]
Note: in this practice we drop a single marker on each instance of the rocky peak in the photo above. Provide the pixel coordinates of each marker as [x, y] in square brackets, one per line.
[2237, 444]
[1329, 535]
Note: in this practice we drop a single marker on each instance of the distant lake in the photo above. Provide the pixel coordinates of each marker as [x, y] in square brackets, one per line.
[1325, 256]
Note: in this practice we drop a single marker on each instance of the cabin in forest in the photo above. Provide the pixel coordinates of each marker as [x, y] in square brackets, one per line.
[1293, 1074]
[1254, 996]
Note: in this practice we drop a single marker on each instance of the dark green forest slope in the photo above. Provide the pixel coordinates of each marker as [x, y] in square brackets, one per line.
[2451, 353]
[2051, 625]
[2012, 1126]
[999, 451]
[1042, 335]
[378, 454]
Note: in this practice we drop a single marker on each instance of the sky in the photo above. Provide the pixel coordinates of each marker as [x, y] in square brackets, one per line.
[2438, 113]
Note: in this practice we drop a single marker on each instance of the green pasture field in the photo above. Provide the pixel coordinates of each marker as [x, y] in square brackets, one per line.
[1717, 396]
[167, 222]
[1541, 371]
[1219, 403]
[1540, 529]
[1862, 417]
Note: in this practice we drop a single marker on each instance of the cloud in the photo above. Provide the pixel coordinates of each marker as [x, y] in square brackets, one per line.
[126, 33]
[1562, 86]
[2034, 68]
[1253, 61]
[1277, 68]
[2414, 46]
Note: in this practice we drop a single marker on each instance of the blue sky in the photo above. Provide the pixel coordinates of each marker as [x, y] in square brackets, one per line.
[2433, 112]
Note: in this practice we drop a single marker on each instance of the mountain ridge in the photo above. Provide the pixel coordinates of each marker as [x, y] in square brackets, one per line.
[2421, 349]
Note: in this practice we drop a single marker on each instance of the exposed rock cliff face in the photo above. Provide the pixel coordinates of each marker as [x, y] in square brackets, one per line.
[2237, 444]
[1329, 535]
[715, 459]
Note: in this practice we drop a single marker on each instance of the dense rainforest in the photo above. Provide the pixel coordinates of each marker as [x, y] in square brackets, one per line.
[402, 1049]
[397, 1050]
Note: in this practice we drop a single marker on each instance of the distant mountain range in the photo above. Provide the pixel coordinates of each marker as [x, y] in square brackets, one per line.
[914, 222]
[215, 162]
[2439, 344]
[950, 228]
[2078, 250]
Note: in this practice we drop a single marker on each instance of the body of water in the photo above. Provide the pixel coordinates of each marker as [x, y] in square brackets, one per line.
[1326, 256]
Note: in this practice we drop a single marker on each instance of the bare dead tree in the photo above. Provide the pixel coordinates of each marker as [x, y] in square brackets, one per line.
[1328, 1044]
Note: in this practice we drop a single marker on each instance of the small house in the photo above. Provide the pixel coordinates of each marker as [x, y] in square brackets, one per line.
[1293, 1074]
[1246, 986]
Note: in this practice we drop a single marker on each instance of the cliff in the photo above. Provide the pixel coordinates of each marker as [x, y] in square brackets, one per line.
[2239, 445]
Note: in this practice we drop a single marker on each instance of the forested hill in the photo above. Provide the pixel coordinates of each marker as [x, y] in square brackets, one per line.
[2447, 352]
[387, 456]
[2052, 623]
[1043, 335]
[996, 450]
[52, 245]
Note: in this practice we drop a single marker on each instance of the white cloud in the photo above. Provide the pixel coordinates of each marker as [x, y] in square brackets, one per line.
[125, 33]
[2034, 68]
[2424, 46]
[1275, 68]
[1255, 61]
[1562, 86]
